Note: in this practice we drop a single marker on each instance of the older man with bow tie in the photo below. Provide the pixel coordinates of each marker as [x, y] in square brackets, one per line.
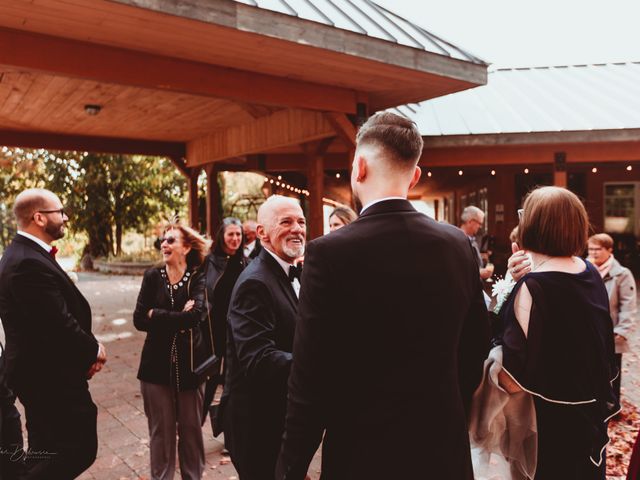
[261, 324]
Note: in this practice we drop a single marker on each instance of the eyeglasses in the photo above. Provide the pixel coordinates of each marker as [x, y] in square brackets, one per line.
[169, 240]
[520, 213]
[61, 211]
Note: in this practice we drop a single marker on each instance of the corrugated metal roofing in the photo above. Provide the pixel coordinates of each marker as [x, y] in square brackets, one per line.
[542, 99]
[367, 18]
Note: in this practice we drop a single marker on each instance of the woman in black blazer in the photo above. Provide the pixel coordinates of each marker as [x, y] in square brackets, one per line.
[170, 306]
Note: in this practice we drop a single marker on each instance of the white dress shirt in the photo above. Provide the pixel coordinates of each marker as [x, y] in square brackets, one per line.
[248, 248]
[285, 266]
[42, 243]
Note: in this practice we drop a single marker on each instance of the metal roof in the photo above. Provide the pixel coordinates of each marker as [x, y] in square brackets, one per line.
[367, 18]
[541, 99]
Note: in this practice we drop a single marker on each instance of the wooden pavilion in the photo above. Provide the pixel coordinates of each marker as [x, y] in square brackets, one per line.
[215, 84]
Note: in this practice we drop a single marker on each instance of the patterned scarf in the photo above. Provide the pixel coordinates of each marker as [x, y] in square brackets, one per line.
[605, 267]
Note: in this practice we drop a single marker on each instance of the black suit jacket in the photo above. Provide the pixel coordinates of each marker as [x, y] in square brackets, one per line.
[47, 321]
[390, 341]
[261, 324]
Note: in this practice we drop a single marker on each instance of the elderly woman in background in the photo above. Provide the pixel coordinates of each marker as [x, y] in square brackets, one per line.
[621, 288]
[170, 308]
[557, 339]
[223, 266]
[340, 217]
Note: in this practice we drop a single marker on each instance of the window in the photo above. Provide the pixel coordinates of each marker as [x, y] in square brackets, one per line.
[621, 202]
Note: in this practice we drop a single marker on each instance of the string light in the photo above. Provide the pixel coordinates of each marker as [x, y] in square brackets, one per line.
[429, 174]
[460, 172]
[526, 171]
[337, 175]
[493, 172]
[629, 168]
[594, 170]
[279, 177]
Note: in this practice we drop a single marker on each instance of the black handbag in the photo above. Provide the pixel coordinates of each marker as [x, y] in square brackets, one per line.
[212, 363]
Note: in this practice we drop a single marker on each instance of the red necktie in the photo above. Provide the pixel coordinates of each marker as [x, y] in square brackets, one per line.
[53, 251]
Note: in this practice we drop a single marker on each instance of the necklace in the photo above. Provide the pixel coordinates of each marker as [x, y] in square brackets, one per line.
[541, 263]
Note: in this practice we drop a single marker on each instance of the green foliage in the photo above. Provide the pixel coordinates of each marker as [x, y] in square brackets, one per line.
[106, 194]
[242, 194]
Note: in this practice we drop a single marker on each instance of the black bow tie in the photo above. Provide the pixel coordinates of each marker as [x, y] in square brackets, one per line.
[295, 271]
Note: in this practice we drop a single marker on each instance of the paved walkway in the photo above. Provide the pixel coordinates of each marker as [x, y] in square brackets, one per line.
[122, 425]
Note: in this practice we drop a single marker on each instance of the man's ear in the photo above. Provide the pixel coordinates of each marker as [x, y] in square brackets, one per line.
[362, 168]
[261, 233]
[416, 177]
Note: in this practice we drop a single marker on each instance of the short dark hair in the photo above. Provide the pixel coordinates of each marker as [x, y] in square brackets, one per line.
[397, 135]
[554, 223]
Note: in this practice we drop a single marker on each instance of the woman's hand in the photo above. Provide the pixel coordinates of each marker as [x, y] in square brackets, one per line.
[507, 383]
[188, 306]
[519, 264]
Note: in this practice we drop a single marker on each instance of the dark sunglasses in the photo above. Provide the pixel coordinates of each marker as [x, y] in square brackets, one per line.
[169, 240]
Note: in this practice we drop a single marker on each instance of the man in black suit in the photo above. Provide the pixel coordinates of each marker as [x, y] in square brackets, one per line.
[50, 351]
[261, 325]
[391, 334]
[252, 245]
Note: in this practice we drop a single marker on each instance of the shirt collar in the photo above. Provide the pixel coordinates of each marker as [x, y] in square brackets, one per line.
[285, 265]
[43, 244]
[378, 201]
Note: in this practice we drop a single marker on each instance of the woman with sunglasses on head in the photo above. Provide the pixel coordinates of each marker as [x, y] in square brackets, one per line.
[557, 338]
[170, 307]
[223, 266]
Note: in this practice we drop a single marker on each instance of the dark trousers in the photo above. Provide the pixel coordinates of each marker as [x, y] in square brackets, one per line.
[61, 426]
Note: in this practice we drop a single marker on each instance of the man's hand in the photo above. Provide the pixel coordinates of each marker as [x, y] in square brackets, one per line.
[101, 359]
[189, 305]
[519, 264]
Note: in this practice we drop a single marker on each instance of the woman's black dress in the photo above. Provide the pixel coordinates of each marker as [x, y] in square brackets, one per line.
[567, 363]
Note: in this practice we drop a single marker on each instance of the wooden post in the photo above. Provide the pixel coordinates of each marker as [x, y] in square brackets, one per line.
[192, 185]
[315, 185]
[213, 200]
[560, 169]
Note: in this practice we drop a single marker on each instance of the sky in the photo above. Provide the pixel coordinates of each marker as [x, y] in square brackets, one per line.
[517, 33]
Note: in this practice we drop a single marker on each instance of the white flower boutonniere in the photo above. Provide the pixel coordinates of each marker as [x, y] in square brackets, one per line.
[501, 290]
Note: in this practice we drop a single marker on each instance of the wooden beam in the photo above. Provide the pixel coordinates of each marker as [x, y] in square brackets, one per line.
[102, 63]
[280, 129]
[192, 187]
[284, 162]
[181, 164]
[533, 138]
[531, 154]
[57, 141]
[344, 128]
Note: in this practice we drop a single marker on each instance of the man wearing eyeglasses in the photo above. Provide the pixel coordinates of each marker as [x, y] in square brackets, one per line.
[50, 351]
[471, 220]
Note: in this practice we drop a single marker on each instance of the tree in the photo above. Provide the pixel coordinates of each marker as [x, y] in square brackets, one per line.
[106, 194]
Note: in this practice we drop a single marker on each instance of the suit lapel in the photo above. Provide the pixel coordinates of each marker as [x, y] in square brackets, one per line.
[281, 278]
[54, 265]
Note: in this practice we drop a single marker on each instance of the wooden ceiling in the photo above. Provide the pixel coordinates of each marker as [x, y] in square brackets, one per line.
[51, 103]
